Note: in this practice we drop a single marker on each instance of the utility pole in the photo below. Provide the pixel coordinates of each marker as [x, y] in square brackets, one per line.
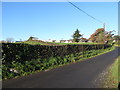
[104, 32]
[104, 26]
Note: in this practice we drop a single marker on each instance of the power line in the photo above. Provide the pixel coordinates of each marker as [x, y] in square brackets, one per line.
[88, 14]
[85, 12]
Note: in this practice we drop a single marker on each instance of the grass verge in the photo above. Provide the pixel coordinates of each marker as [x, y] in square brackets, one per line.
[116, 45]
[113, 77]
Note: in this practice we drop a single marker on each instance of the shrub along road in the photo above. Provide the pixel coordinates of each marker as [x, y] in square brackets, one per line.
[77, 75]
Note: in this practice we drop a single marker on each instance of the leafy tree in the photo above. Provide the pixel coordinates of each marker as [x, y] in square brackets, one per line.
[32, 38]
[98, 36]
[109, 37]
[83, 40]
[76, 36]
[102, 36]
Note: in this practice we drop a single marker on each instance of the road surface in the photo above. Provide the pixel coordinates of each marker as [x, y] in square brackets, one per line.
[78, 75]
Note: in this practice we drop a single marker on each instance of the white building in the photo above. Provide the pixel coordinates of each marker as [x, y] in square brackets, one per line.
[49, 40]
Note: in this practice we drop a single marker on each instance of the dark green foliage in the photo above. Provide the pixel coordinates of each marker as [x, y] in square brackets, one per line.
[24, 52]
[23, 59]
[76, 36]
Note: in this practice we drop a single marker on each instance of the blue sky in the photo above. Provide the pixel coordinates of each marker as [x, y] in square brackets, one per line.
[55, 20]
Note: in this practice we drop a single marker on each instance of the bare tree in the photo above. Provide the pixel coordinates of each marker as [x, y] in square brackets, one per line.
[10, 40]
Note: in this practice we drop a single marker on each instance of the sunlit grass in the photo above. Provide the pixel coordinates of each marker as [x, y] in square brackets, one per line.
[113, 77]
[33, 42]
[71, 43]
[54, 43]
[117, 45]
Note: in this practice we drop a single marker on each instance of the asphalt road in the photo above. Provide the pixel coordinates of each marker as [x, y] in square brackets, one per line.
[78, 75]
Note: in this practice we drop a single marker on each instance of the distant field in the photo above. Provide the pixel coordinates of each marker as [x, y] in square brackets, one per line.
[51, 43]
[33, 43]
[70, 43]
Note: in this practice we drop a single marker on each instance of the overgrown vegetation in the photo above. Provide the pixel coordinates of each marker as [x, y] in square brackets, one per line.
[26, 59]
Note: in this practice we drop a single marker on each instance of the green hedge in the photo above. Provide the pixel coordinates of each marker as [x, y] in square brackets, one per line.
[17, 69]
[25, 52]
[23, 59]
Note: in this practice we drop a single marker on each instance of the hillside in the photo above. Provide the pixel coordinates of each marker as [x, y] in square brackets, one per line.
[39, 42]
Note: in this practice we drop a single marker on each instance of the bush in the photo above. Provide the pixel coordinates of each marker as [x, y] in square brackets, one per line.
[24, 52]
[23, 59]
